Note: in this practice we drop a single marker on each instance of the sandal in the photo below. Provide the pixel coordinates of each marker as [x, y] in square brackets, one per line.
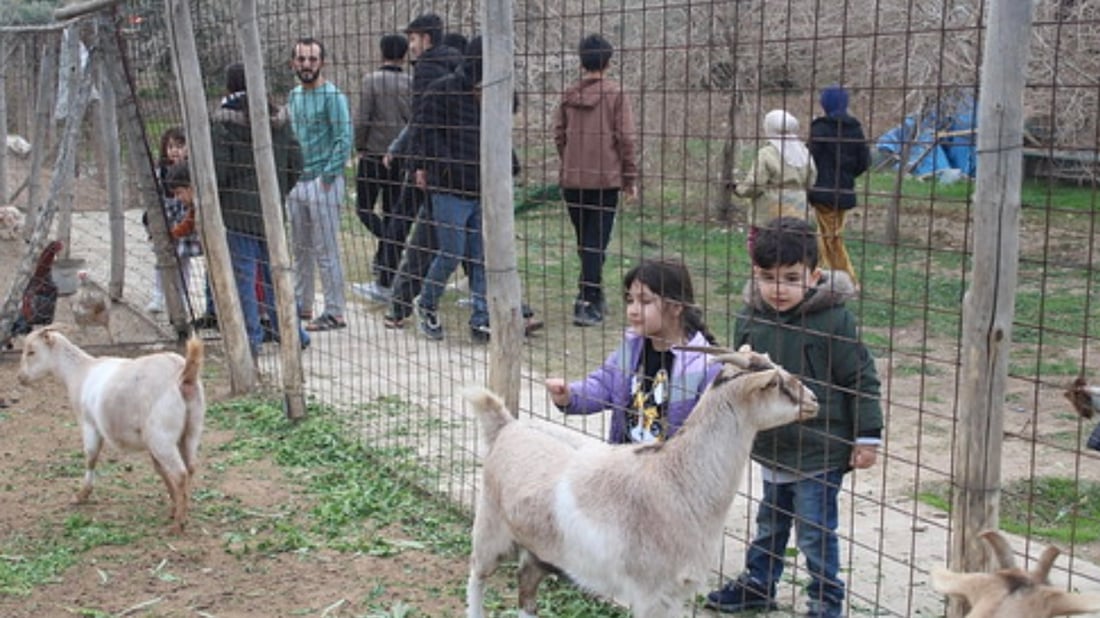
[393, 322]
[326, 322]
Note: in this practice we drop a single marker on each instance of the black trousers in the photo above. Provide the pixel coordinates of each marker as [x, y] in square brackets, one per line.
[592, 212]
[420, 248]
[375, 180]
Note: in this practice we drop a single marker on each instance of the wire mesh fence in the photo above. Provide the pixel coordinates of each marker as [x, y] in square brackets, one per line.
[700, 77]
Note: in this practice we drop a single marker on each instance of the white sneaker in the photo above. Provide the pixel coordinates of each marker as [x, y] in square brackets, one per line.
[155, 306]
[372, 292]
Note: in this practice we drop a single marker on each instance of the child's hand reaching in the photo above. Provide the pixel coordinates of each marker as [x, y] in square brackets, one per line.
[864, 456]
[559, 391]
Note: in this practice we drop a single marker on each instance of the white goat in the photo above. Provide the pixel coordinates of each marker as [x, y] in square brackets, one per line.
[11, 222]
[636, 523]
[1011, 592]
[153, 403]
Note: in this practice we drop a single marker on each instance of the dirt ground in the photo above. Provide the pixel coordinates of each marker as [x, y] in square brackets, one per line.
[197, 573]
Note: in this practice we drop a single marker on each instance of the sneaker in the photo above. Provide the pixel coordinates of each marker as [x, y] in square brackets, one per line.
[480, 333]
[739, 595]
[823, 609]
[428, 320]
[586, 313]
[155, 306]
[206, 321]
[372, 292]
[393, 321]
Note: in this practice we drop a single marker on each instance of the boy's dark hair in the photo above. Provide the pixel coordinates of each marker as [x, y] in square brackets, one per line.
[671, 280]
[456, 40]
[308, 40]
[595, 52]
[393, 46]
[171, 134]
[234, 78]
[785, 241]
[178, 176]
[429, 24]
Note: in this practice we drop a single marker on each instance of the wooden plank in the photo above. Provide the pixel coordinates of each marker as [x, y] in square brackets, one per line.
[498, 214]
[185, 59]
[290, 350]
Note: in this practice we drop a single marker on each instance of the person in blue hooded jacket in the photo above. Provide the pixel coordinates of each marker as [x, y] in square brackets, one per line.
[839, 150]
[649, 384]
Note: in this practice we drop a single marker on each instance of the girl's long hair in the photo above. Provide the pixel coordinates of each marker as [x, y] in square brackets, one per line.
[671, 280]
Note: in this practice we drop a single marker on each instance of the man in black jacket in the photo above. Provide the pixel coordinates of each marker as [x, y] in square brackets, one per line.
[840, 153]
[445, 145]
[432, 60]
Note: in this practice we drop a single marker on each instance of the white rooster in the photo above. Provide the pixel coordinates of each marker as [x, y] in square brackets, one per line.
[91, 306]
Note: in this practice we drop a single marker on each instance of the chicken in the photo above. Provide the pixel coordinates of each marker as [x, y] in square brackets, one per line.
[40, 295]
[1085, 398]
[91, 306]
[1086, 402]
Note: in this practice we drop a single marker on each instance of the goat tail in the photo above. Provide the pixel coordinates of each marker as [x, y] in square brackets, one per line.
[492, 416]
[189, 377]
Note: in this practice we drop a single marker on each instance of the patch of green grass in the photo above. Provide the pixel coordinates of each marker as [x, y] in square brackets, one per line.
[26, 563]
[354, 495]
[1047, 508]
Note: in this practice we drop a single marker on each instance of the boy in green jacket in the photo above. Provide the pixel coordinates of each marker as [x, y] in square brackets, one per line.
[795, 312]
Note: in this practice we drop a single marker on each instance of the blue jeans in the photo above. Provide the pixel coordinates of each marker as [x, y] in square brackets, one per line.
[458, 232]
[246, 253]
[811, 505]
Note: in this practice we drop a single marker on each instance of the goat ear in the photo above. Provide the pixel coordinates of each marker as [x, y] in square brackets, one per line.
[950, 582]
[1062, 603]
[1002, 552]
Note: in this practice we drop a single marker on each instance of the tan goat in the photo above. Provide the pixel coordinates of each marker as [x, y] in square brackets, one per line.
[636, 523]
[153, 403]
[1011, 592]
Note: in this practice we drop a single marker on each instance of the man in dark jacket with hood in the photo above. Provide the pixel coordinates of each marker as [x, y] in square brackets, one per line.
[239, 195]
[432, 60]
[840, 153]
[445, 149]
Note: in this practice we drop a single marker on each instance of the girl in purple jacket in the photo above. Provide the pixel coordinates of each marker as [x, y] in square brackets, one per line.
[649, 385]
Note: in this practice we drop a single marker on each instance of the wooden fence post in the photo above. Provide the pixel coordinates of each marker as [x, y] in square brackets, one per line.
[989, 304]
[498, 209]
[185, 60]
[270, 198]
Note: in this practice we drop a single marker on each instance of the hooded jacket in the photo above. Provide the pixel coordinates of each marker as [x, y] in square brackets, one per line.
[594, 134]
[608, 387]
[817, 341]
[772, 183]
[444, 137]
[840, 151]
[235, 164]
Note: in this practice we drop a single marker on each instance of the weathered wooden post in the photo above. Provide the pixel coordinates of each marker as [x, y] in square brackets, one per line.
[40, 141]
[185, 59]
[498, 211]
[281, 268]
[107, 121]
[988, 308]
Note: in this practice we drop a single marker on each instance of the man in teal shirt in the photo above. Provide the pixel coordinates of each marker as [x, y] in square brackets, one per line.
[322, 122]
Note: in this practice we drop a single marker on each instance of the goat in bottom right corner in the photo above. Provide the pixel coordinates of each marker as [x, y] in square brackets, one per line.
[637, 523]
[1011, 592]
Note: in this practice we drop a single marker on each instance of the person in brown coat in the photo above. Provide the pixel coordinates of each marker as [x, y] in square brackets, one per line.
[594, 134]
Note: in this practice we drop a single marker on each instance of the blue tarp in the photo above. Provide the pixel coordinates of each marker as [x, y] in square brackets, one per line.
[929, 155]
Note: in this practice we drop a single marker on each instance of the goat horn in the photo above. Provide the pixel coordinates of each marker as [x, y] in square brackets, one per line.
[1041, 572]
[1002, 552]
[720, 354]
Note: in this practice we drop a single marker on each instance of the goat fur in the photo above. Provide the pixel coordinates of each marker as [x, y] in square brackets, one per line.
[11, 222]
[636, 523]
[1011, 592]
[152, 403]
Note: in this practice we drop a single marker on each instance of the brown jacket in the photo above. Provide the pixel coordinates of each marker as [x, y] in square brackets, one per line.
[594, 133]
